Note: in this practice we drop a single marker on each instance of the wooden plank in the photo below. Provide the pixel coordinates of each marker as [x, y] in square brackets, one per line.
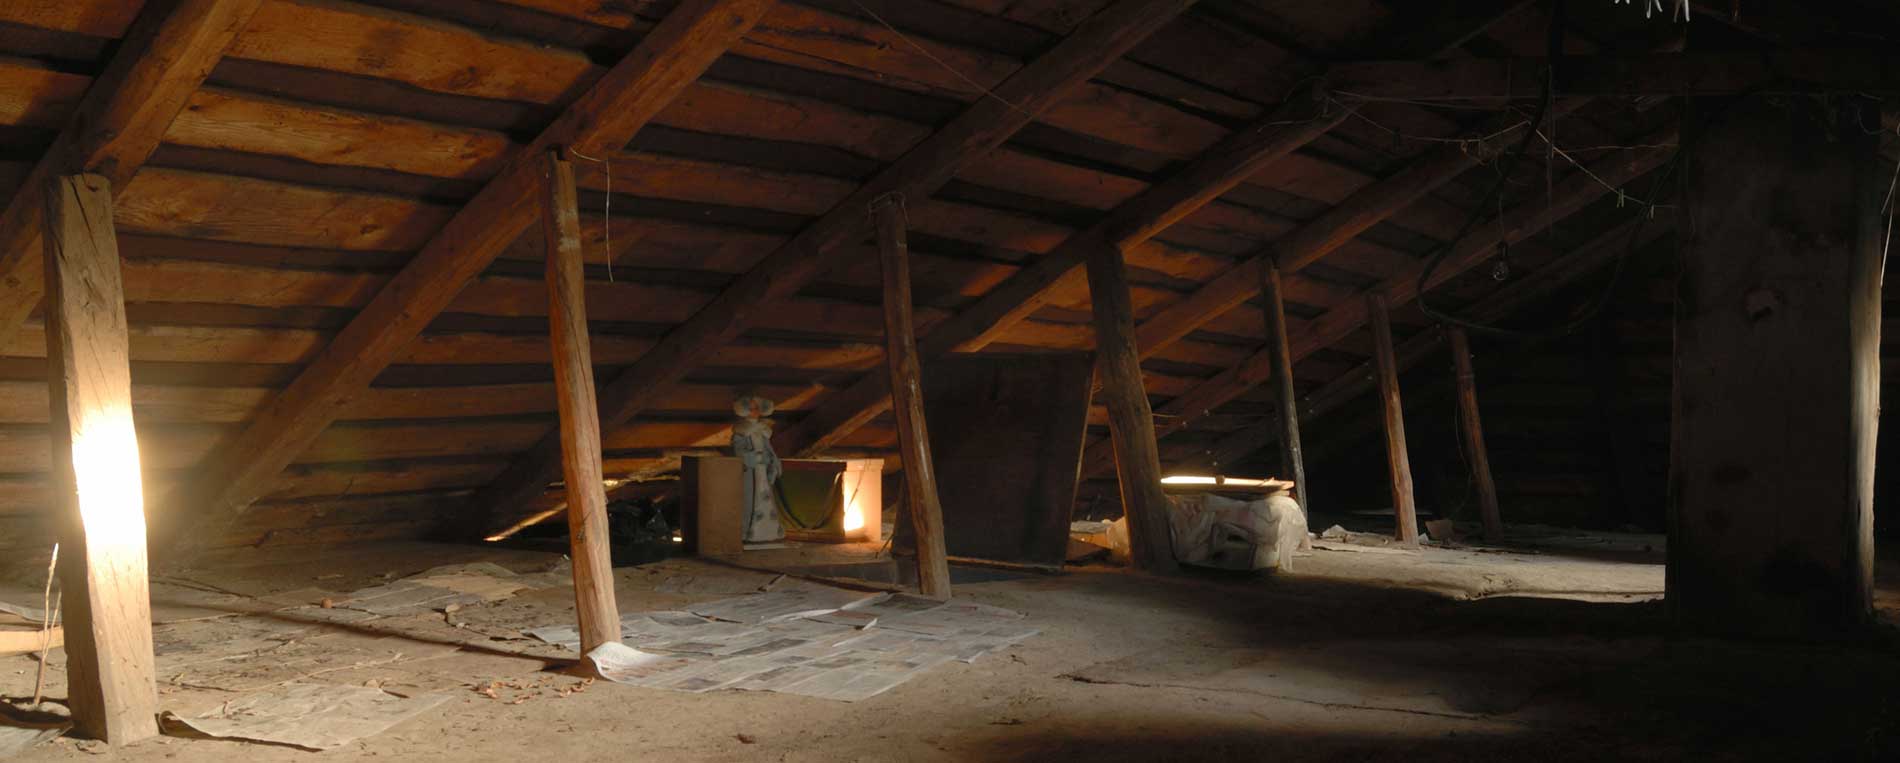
[913, 433]
[1525, 220]
[1398, 461]
[117, 125]
[986, 124]
[1777, 370]
[1130, 421]
[601, 120]
[1127, 227]
[1471, 427]
[580, 414]
[1292, 462]
[104, 592]
[1689, 73]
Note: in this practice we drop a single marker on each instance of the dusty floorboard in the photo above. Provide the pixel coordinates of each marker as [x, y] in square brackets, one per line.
[1377, 655]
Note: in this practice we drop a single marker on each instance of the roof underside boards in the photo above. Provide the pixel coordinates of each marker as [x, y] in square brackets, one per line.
[336, 138]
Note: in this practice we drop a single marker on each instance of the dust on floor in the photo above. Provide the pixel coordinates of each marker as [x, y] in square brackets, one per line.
[1364, 654]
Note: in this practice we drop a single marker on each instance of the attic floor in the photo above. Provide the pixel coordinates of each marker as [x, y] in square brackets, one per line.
[1361, 655]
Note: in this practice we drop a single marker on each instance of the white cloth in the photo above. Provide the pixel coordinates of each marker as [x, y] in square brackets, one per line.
[1212, 531]
[752, 443]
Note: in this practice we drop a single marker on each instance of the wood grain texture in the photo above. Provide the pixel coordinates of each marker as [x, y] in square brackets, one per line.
[913, 432]
[1130, 420]
[580, 413]
[1471, 427]
[1398, 460]
[1292, 460]
[104, 591]
[987, 123]
[605, 117]
[165, 56]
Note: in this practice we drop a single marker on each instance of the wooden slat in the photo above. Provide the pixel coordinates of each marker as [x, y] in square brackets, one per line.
[580, 414]
[986, 124]
[1292, 461]
[104, 592]
[1130, 420]
[1471, 427]
[603, 119]
[1398, 460]
[1525, 220]
[913, 432]
[117, 125]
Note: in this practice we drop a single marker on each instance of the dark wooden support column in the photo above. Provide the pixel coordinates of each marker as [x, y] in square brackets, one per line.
[580, 414]
[1292, 462]
[1130, 419]
[1472, 425]
[907, 397]
[1397, 462]
[1777, 370]
[102, 567]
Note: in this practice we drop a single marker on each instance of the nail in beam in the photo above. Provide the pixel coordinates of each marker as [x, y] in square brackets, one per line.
[1777, 370]
[907, 396]
[1473, 431]
[1397, 461]
[1131, 425]
[580, 414]
[102, 567]
[1292, 461]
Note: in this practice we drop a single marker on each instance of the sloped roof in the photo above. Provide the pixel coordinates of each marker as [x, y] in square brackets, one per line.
[335, 139]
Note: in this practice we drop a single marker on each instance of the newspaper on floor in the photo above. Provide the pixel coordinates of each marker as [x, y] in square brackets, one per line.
[308, 715]
[435, 589]
[636, 628]
[862, 675]
[17, 740]
[894, 605]
[779, 606]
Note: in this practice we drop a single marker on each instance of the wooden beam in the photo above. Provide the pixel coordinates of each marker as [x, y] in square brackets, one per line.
[1472, 428]
[1691, 73]
[1398, 462]
[666, 61]
[913, 434]
[165, 56]
[1130, 421]
[1242, 155]
[580, 414]
[1777, 371]
[1619, 241]
[104, 593]
[1522, 221]
[1292, 462]
[986, 124]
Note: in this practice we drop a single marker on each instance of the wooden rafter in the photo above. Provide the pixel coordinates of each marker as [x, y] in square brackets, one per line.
[1129, 225]
[1215, 172]
[166, 55]
[986, 124]
[1532, 216]
[666, 61]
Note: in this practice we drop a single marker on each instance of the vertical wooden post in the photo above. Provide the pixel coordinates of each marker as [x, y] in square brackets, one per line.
[1397, 462]
[580, 415]
[1777, 370]
[1473, 426]
[1292, 461]
[1131, 425]
[907, 397]
[102, 568]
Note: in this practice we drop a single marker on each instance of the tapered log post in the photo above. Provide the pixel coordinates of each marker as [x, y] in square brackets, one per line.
[907, 397]
[1473, 430]
[1397, 462]
[102, 567]
[580, 415]
[1131, 425]
[1777, 370]
[1292, 461]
